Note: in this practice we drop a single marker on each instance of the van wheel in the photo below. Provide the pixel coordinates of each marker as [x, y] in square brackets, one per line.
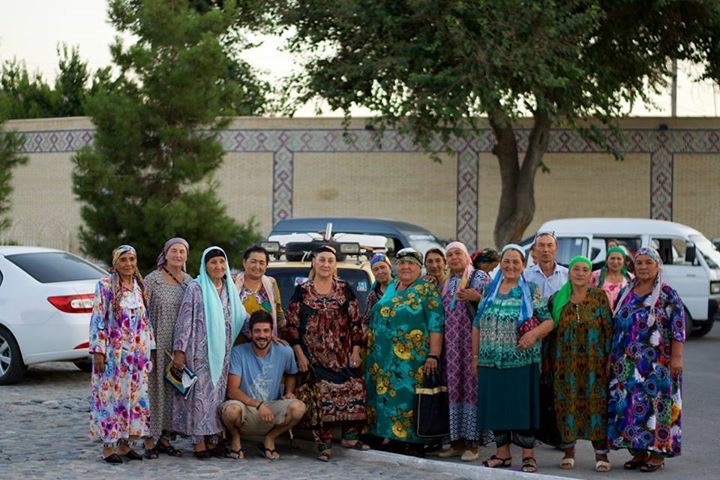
[84, 365]
[701, 329]
[12, 367]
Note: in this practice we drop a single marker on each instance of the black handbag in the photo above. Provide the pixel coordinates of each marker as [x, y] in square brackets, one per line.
[432, 410]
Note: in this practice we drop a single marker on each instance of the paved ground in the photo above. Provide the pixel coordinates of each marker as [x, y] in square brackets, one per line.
[44, 423]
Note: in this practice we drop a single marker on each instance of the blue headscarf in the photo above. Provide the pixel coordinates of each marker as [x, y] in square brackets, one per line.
[215, 317]
[526, 307]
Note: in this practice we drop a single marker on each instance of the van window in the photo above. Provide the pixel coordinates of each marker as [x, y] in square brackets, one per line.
[569, 247]
[672, 250]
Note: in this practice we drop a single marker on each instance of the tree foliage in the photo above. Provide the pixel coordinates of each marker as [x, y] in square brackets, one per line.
[433, 68]
[10, 157]
[148, 175]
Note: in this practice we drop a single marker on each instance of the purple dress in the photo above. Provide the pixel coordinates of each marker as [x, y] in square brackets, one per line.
[462, 384]
[197, 415]
[645, 404]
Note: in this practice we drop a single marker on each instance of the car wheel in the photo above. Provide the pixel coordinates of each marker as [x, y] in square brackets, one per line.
[84, 365]
[12, 367]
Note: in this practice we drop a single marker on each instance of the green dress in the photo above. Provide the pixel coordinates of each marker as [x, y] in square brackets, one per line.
[398, 344]
[508, 378]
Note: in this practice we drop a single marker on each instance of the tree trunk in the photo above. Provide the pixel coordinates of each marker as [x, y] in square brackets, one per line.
[517, 198]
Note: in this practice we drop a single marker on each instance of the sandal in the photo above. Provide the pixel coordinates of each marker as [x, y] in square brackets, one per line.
[151, 453]
[168, 449]
[269, 453]
[635, 463]
[567, 463]
[132, 455]
[602, 466]
[201, 454]
[113, 459]
[324, 456]
[358, 445]
[499, 462]
[651, 467]
[529, 465]
[238, 454]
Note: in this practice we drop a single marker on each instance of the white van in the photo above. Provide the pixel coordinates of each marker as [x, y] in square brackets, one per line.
[691, 262]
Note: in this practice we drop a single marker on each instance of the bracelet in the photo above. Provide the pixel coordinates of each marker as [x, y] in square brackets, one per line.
[434, 357]
[259, 405]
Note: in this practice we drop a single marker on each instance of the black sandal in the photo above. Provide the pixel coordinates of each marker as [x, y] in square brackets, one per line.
[132, 455]
[113, 459]
[529, 465]
[269, 453]
[651, 467]
[201, 454]
[504, 462]
[168, 449]
[151, 453]
[634, 464]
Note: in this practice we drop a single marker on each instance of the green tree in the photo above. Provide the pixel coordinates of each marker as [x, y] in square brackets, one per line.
[433, 67]
[23, 95]
[71, 85]
[10, 146]
[148, 174]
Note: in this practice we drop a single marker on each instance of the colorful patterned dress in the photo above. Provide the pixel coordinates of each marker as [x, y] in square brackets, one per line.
[645, 404]
[612, 290]
[580, 350]
[164, 301]
[457, 352]
[398, 344]
[197, 415]
[327, 326]
[119, 403]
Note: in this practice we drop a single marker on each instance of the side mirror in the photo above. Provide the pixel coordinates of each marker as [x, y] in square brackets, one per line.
[690, 254]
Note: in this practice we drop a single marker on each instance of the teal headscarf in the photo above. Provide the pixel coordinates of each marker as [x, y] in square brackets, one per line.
[215, 317]
[623, 270]
[562, 297]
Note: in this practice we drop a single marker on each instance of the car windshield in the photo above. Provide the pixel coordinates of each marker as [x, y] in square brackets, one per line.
[53, 267]
[422, 243]
[706, 248]
[289, 277]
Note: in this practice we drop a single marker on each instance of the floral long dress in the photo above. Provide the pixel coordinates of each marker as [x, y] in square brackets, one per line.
[457, 352]
[164, 302]
[580, 351]
[645, 403]
[119, 403]
[398, 344]
[197, 415]
[327, 326]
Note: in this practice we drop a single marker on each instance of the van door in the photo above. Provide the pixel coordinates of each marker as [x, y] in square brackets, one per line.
[684, 274]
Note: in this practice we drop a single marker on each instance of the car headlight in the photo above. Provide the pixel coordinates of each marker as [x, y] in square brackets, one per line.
[714, 288]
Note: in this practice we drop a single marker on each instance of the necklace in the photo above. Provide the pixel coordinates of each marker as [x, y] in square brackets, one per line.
[171, 275]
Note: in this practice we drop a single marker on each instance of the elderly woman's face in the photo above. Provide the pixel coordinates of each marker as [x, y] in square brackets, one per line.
[512, 265]
[646, 268]
[580, 274]
[381, 272]
[324, 265]
[408, 271]
[176, 256]
[615, 262]
[456, 260]
[435, 264]
[216, 267]
[126, 264]
[255, 265]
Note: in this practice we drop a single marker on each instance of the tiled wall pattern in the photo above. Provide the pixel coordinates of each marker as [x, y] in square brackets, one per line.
[311, 138]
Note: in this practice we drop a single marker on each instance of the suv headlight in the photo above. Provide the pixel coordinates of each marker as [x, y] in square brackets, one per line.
[714, 288]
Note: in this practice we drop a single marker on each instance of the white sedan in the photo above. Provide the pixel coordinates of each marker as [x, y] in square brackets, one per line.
[46, 299]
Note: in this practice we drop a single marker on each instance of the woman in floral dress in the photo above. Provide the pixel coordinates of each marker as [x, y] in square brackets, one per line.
[646, 363]
[121, 339]
[324, 328]
[404, 343]
[578, 354]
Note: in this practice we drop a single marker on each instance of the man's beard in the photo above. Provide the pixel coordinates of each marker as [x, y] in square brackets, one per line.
[267, 344]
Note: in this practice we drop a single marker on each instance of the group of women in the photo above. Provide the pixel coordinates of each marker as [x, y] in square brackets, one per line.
[611, 345]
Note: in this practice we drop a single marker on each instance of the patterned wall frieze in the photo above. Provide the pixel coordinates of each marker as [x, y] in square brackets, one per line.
[661, 144]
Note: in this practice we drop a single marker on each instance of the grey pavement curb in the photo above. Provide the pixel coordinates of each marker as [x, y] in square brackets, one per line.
[473, 471]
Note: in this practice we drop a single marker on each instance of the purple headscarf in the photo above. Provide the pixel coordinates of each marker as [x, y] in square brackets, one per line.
[651, 299]
[161, 260]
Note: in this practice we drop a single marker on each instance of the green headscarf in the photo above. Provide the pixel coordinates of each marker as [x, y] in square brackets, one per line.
[623, 270]
[562, 297]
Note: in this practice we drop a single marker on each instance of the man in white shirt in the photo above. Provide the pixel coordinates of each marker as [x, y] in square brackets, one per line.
[546, 273]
